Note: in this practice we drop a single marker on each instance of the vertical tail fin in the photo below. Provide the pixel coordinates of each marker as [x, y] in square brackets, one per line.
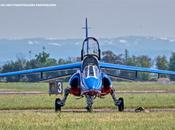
[86, 28]
[87, 35]
[86, 32]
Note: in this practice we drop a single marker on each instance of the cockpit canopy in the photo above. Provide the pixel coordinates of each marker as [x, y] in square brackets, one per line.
[90, 66]
[90, 47]
[91, 70]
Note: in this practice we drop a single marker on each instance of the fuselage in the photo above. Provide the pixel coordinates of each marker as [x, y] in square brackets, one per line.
[90, 80]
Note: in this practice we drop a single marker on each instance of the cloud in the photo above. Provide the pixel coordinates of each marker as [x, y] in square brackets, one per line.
[171, 40]
[110, 42]
[30, 42]
[33, 42]
[167, 39]
[123, 41]
[51, 38]
[54, 44]
[164, 38]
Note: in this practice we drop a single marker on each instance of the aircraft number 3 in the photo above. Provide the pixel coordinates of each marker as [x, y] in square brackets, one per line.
[59, 87]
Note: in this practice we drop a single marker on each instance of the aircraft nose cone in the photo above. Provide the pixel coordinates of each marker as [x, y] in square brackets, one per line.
[92, 83]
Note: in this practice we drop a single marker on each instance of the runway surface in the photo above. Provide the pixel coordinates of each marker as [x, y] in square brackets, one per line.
[94, 110]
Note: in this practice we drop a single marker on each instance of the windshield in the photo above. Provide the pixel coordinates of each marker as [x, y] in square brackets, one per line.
[91, 70]
[90, 47]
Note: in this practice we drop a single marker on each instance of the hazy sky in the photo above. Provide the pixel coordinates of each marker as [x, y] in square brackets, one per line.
[108, 18]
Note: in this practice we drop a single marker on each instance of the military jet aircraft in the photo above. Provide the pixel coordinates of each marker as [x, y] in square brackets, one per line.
[89, 80]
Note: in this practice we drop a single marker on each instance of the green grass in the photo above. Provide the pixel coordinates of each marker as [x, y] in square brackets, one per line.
[47, 102]
[22, 86]
[87, 121]
[129, 86]
[142, 86]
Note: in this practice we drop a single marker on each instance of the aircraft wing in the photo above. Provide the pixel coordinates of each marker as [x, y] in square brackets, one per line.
[137, 69]
[44, 69]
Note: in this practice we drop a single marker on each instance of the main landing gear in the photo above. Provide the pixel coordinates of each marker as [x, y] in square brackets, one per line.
[118, 102]
[60, 103]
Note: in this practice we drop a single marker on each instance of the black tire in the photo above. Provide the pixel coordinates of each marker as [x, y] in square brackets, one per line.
[121, 105]
[58, 104]
[89, 109]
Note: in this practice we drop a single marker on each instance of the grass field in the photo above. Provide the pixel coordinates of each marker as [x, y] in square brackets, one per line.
[87, 121]
[117, 85]
[130, 86]
[45, 101]
[22, 86]
[96, 121]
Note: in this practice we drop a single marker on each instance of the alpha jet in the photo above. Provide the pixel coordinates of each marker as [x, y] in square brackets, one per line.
[89, 80]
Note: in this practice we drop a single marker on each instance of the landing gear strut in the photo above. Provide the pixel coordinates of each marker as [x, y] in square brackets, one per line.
[118, 102]
[89, 101]
[60, 103]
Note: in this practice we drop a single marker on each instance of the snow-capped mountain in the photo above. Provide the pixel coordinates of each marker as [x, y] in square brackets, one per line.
[10, 49]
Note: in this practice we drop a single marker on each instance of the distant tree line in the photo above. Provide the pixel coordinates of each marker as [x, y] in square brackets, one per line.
[160, 62]
[43, 59]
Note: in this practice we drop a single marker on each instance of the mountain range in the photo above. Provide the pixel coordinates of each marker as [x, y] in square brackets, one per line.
[11, 49]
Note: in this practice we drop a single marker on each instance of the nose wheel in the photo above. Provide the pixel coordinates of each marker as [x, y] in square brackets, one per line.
[89, 109]
[120, 104]
[58, 104]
